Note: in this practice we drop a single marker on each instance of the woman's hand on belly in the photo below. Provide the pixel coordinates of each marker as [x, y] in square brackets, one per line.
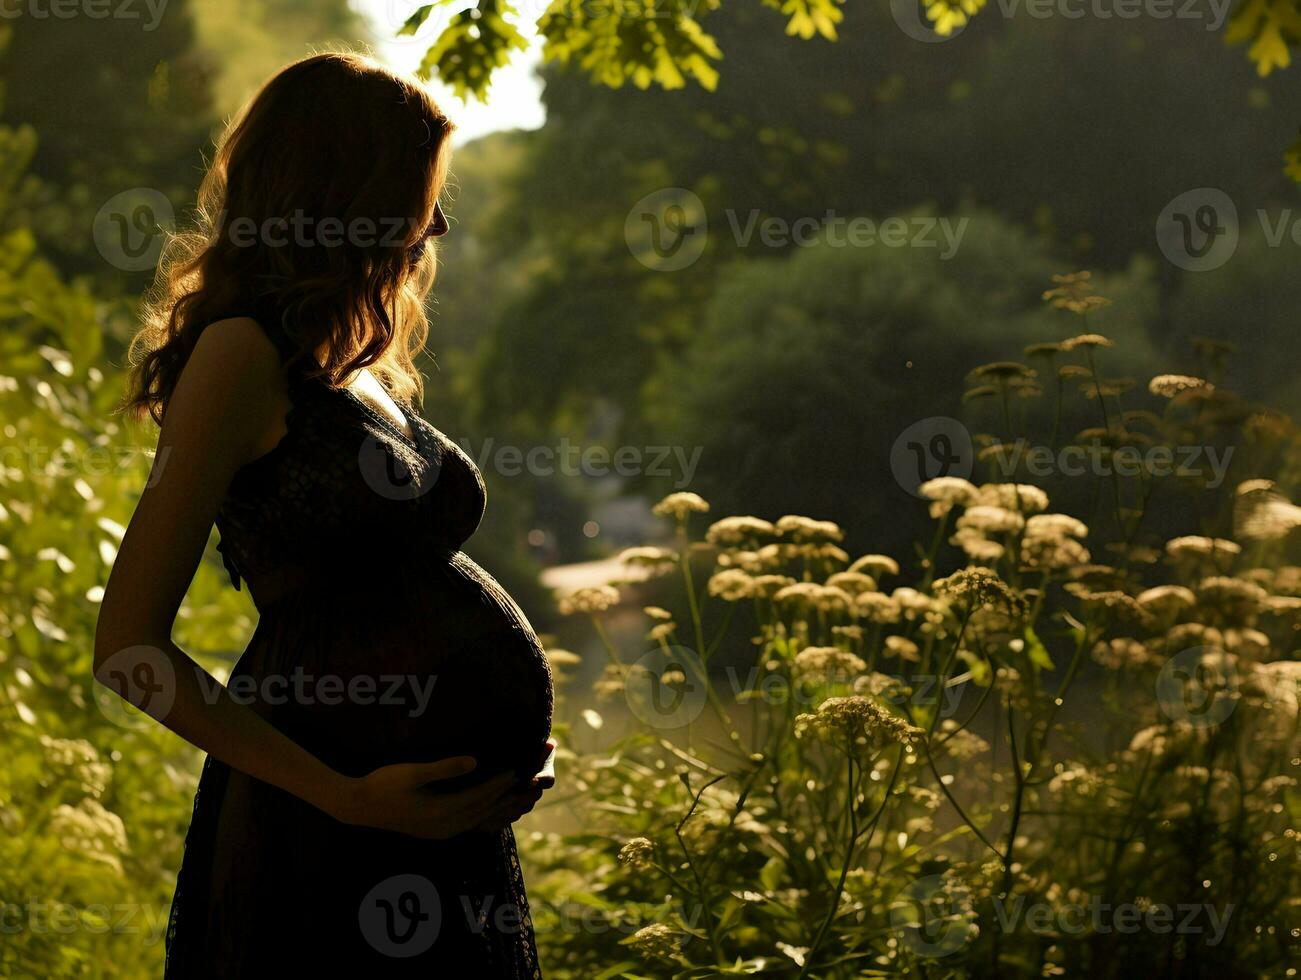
[523, 798]
[399, 798]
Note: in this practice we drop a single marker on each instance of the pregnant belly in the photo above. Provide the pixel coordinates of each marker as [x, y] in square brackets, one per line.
[415, 665]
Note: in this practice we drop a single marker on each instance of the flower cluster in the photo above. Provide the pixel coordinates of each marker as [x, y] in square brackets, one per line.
[827, 663]
[681, 505]
[638, 853]
[592, 599]
[975, 587]
[856, 722]
[656, 942]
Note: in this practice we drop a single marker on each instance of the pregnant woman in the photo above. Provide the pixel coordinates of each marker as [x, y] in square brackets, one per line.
[391, 716]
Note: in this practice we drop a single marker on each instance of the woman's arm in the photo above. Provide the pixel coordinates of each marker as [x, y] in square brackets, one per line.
[227, 409]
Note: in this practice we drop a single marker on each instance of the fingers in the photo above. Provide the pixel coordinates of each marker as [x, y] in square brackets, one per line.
[429, 772]
[517, 804]
[483, 796]
[510, 809]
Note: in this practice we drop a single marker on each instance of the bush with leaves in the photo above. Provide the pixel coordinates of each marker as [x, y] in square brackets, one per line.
[1058, 751]
[94, 801]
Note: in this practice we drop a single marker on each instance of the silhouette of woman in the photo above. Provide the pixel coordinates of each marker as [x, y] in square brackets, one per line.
[277, 358]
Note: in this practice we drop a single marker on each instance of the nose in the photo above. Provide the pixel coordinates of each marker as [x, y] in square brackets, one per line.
[439, 226]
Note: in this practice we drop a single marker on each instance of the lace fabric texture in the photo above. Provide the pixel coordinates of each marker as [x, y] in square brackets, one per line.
[378, 642]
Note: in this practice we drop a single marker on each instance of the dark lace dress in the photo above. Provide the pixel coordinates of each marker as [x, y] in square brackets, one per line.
[378, 642]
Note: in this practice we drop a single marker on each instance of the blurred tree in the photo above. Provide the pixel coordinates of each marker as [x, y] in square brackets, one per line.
[150, 92]
[805, 371]
[137, 115]
[868, 126]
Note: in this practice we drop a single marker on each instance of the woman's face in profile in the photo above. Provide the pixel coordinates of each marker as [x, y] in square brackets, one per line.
[438, 227]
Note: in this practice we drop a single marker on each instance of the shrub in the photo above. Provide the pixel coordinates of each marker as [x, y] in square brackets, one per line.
[1074, 753]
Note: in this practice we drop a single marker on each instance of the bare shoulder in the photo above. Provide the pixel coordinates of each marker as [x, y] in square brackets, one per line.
[237, 342]
[233, 376]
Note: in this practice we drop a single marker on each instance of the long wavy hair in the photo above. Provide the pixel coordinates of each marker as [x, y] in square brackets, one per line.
[318, 204]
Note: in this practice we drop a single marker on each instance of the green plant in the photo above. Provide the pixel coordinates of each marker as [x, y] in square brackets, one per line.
[1034, 764]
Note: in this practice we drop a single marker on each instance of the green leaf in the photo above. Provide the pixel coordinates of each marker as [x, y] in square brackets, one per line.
[1036, 651]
